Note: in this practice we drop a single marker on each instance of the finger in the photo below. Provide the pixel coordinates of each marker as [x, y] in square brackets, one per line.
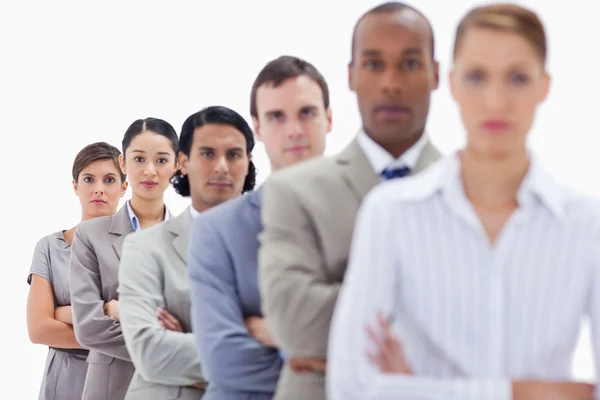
[374, 336]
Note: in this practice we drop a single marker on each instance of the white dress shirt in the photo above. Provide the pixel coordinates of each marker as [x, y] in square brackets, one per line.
[471, 317]
[380, 159]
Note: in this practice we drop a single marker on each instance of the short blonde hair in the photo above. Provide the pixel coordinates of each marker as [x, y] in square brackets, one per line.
[506, 18]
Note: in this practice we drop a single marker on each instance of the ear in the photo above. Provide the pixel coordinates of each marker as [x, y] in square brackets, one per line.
[257, 131]
[351, 76]
[75, 188]
[182, 163]
[122, 164]
[250, 157]
[436, 76]
[328, 115]
[547, 80]
[124, 187]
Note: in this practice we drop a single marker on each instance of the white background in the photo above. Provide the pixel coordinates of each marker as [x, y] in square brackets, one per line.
[74, 72]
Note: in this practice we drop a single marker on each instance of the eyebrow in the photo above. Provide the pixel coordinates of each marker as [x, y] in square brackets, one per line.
[208, 148]
[162, 153]
[303, 108]
[377, 53]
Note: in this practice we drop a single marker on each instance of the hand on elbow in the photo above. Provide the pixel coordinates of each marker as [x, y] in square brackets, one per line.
[259, 330]
[387, 354]
[111, 309]
[167, 320]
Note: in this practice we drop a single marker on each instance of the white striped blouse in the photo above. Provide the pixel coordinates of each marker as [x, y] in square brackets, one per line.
[471, 317]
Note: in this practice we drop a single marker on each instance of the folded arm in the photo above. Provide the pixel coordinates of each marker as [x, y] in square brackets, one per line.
[231, 357]
[370, 287]
[159, 355]
[93, 329]
[297, 296]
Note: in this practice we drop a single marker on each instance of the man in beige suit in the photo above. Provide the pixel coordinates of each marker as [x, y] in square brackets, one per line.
[309, 209]
[214, 154]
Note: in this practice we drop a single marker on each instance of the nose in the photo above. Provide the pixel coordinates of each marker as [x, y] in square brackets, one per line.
[221, 167]
[496, 97]
[392, 82]
[150, 169]
[296, 130]
[99, 189]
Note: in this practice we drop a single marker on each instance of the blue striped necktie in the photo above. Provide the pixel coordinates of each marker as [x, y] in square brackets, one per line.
[392, 173]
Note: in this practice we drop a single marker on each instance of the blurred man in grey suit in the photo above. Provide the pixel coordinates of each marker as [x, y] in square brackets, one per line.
[290, 110]
[309, 209]
[214, 155]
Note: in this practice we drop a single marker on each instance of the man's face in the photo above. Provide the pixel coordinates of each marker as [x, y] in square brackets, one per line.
[393, 74]
[292, 120]
[217, 165]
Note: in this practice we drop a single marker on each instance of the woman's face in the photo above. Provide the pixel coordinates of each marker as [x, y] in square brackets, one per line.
[99, 188]
[498, 80]
[149, 164]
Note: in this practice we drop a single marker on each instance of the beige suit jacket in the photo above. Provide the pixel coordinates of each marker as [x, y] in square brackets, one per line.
[153, 273]
[95, 255]
[308, 215]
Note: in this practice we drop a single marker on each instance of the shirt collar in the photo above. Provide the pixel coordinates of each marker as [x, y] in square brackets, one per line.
[538, 186]
[380, 159]
[193, 212]
[135, 224]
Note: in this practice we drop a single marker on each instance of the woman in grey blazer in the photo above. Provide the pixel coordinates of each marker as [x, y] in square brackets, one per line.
[214, 153]
[99, 183]
[149, 160]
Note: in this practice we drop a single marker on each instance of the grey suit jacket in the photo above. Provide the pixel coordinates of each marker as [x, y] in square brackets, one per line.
[223, 274]
[308, 216]
[152, 274]
[95, 254]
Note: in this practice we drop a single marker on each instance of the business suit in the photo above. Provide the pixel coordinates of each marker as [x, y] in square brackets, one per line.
[95, 255]
[152, 274]
[223, 275]
[308, 216]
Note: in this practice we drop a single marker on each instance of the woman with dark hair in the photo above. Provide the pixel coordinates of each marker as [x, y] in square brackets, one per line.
[99, 183]
[149, 160]
[214, 154]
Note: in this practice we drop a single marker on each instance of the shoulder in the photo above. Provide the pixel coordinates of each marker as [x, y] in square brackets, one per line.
[97, 224]
[305, 172]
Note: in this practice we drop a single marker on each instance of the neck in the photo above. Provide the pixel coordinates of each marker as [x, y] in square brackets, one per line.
[199, 205]
[399, 147]
[492, 181]
[148, 210]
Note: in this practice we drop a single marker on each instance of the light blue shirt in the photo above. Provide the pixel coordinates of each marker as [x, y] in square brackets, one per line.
[135, 222]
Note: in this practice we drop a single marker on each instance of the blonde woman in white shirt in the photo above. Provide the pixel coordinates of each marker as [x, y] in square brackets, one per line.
[470, 280]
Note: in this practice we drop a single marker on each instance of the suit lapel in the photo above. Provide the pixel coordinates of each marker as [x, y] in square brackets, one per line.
[120, 228]
[180, 228]
[358, 173]
[429, 155]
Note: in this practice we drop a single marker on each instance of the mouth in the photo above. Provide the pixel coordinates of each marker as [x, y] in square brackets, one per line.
[296, 149]
[392, 111]
[220, 185]
[495, 126]
[99, 202]
[149, 184]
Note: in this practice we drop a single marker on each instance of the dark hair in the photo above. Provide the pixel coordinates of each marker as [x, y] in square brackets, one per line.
[155, 125]
[391, 6]
[213, 115]
[507, 18]
[98, 151]
[280, 70]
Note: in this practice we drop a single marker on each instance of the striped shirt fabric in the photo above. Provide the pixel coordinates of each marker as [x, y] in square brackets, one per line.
[472, 317]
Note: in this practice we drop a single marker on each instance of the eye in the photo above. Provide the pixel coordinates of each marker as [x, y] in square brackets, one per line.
[88, 179]
[475, 77]
[411, 64]
[162, 160]
[235, 155]
[309, 112]
[373, 65]
[138, 159]
[518, 79]
[276, 117]
[110, 179]
[207, 153]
